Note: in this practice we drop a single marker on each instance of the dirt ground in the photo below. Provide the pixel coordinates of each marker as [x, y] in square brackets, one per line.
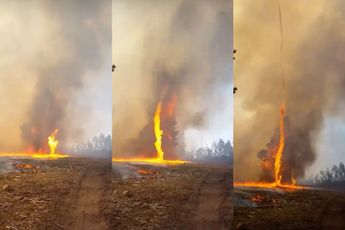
[304, 209]
[53, 194]
[76, 193]
[190, 196]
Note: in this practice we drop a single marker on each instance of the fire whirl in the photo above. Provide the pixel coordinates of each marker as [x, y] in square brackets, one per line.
[278, 154]
[278, 158]
[272, 161]
[149, 160]
[159, 133]
[52, 143]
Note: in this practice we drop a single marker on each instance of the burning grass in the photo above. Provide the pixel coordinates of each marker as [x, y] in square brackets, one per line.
[52, 143]
[34, 155]
[272, 185]
[50, 156]
[147, 172]
[149, 161]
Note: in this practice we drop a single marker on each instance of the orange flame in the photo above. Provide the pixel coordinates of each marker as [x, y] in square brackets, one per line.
[147, 172]
[278, 156]
[171, 106]
[52, 142]
[278, 153]
[158, 132]
[272, 185]
[158, 143]
[149, 161]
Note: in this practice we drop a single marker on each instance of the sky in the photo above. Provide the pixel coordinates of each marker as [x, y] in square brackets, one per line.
[55, 60]
[330, 146]
[188, 43]
[220, 125]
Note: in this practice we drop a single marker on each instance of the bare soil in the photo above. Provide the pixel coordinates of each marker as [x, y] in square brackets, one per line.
[214, 206]
[87, 213]
[54, 194]
[83, 194]
[190, 196]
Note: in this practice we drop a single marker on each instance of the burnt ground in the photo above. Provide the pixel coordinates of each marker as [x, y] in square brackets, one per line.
[53, 194]
[189, 196]
[304, 209]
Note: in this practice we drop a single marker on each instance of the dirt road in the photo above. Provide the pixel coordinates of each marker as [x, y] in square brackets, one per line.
[214, 206]
[86, 214]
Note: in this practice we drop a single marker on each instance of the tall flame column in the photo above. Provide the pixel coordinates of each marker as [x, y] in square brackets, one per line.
[158, 132]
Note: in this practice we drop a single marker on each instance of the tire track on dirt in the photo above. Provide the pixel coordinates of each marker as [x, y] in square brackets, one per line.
[214, 203]
[86, 213]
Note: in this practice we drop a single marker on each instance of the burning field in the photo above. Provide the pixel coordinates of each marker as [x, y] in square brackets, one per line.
[162, 191]
[276, 201]
[292, 86]
[52, 142]
[53, 190]
[55, 78]
[172, 105]
[40, 190]
[164, 118]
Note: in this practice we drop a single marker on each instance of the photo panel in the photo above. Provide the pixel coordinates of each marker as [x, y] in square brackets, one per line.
[56, 119]
[172, 114]
[288, 150]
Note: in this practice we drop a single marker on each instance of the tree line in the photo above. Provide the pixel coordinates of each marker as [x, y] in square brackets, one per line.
[98, 146]
[220, 151]
[334, 177]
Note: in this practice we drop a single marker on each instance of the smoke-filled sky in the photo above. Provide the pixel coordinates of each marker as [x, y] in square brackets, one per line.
[185, 46]
[55, 59]
[313, 63]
